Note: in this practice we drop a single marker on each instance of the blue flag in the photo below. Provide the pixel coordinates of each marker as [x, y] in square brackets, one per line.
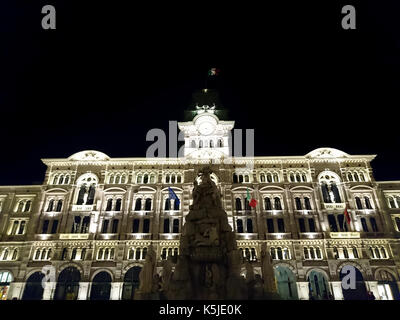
[172, 195]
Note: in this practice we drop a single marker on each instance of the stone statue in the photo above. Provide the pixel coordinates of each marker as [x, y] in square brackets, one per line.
[269, 276]
[209, 262]
[147, 272]
[166, 273]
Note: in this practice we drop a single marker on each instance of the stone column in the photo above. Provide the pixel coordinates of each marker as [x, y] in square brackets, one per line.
[15, 290]
[83, 290]
[337, 290]
[116, 290]
[49, 290]
[302, 290]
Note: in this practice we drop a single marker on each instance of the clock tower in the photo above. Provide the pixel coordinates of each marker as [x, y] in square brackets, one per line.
[206, 136]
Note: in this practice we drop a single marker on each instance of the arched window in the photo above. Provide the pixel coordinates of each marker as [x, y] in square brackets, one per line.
[172, 178]
[298, 179]
[176, 204]
[167, 204]
[249, 225]
[306, 255]
[272, 253]
[201, 144]
[367, 203]
[27, 206]
[335, 253]
[362, 177]
[267, 203]
[312, 254]
[397, 202]
[278, 205]
[292, 177]
[383, 253]
[247, 205]
[59, 205]
[61, 180]
[220, 144]
[240, 178]
[356, 176]
[66, 179]
[286, 254]
[358, 203]
[345, 253]
[377, 253]
[279, 252]
[246, 178]
[147, 206]
[304, 177]
[391, 202]
[152, 178]
[374, 225]
[364, 225]
[179, 179]
[307, 203]
[193, 144]
[118, 204]
[298, 203]
[253, 254]
[262, 177]
[117, 179]
[355, 253]
[167, 178]
[235, 178]
[211, 144]
[55, 179]
[138, 204]
[397, 220]
[350, 177]
[318, 253]
[111, 179]
[276, 177]
[238, 204]
[146, 178]
[139, 179]
[73, 255]
[269, 177]
[50, 207]
[239, 224]
[109, 205]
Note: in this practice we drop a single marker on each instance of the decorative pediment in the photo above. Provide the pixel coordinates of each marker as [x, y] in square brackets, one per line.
[326, 153]
[89, 155]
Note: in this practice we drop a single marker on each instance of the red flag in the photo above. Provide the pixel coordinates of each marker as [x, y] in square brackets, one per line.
[253, 203]
[347, 215]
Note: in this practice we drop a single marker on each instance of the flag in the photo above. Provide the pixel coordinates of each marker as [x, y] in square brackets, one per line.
[347, 215]
[252, 201]
[213, 72]
[172, 195]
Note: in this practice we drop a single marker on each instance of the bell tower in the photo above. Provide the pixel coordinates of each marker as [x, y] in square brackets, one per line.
[206, 136]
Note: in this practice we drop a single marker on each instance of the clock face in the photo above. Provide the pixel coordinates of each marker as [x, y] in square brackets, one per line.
[206, 128]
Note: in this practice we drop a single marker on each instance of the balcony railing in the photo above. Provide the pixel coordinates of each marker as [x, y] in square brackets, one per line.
[345, 235]
[334, 206]
[74, 236]
[278, 235]
[80, 207]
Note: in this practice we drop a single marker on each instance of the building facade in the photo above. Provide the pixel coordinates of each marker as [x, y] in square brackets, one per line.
[85, 231]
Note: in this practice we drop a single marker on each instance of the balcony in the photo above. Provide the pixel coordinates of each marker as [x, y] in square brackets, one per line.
[74, 236]
[169, 236]
[311, 235]
[334, 206]
[278, 235]
[81, 207]
[344, 235]
[246, 236]
[138, 236]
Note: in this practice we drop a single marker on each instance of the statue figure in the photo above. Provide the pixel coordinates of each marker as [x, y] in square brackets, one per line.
[166, 273]
[146, 275]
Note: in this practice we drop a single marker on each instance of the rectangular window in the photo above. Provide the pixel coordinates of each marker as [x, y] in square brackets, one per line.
[14, 228]
[135, 226]
[45, 226]
[332, 223]
[54, 227]
[104, 229]
[146, 225]
[374, 226]
[239, 225]
[311, 225]
[342, 222]
[270, 225]
[115, 226]
[281, 225]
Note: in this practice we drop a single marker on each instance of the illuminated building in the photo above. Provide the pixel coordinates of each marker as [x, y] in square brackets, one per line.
[94, 216]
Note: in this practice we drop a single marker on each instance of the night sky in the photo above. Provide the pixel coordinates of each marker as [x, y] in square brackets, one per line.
[112, 71]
